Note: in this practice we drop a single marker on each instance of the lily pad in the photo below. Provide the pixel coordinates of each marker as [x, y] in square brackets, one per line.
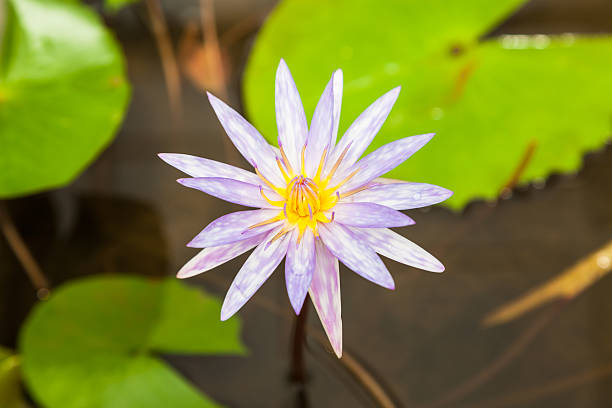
[10, 388]
[63, 93]
[490, 100]
[95, 343]
[116, 5]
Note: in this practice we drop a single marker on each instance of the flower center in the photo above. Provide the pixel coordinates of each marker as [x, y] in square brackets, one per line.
[305, 201]
[303, 197]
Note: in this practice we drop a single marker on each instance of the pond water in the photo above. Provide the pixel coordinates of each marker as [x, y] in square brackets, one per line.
[424, 342]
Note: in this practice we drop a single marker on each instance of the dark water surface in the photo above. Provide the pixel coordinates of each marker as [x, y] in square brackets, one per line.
[127, 215]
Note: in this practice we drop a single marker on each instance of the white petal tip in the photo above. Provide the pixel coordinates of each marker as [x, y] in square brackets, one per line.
[297, 305]
[297, 309]
[225, 315]
[214, 101]
[408, 221]
[435, 267]
[183, 275]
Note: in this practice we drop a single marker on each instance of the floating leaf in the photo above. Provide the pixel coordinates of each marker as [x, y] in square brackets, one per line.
[488, 100]
[94, 343]
[10, 389]
[63, 93]
[116, 5]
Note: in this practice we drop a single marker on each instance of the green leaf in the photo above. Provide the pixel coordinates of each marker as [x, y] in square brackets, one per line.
[10, 389]
[488, 100]
[63, 93]
[116, 5]
[93, 343]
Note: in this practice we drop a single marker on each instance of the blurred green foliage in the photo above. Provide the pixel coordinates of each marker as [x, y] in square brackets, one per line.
[96, 343]
[10, 389]
[116, 5]
[63, 93]
[487, 99]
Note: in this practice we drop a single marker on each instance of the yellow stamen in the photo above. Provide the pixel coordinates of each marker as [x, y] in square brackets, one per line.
[282, 169]
[300, 235]
[286, 160]
[303, 161]
[321, 164]
[355, 191]
[281, 233]
[306, 200]
[271, 202]
[266, 222]
[337, 164]
[347, 178]
[280, 191]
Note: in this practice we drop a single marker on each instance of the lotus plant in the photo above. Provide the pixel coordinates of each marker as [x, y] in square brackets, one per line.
[318, 202]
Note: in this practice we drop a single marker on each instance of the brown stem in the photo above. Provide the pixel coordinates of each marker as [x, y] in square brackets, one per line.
[464, 75]
[216, 66]
[503, 360]
[23, 254]
[297, 372]
[550, 388]
[520, 169]
[214, 62]
[166, 53]
[363, 377]
[241, 29]
[567, 285]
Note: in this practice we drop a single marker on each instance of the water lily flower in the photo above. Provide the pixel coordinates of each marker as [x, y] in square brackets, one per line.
[318, 202]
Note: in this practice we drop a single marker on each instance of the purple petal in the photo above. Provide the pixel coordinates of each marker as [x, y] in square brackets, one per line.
[210, 258]
[234, 227]
[361, 133]
[370, 215]
[337, 78]
[255, 271]
[299, 267]
[402, 196]
[396, 247]
[355, 254]
[201, 167]
[382, 160]
[324, 120]
[290, 116]
[231, 190]
[325, 295]
[247, 140]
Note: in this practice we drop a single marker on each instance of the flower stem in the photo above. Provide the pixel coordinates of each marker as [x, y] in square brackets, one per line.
[297, 372]
[508, 356]
[23, 254]
[159, 28]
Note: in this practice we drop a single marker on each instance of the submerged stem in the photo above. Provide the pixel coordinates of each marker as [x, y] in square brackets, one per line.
[507, 356]
[363, 377]
[297, 372]
[23, 254]
[159, 27]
